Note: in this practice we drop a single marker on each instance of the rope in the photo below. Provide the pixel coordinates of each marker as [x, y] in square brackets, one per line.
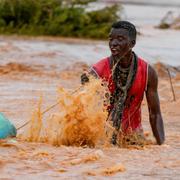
[123, 80]
[48, 109]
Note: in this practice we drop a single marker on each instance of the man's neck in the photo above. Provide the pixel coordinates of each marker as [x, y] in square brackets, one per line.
[124, 62]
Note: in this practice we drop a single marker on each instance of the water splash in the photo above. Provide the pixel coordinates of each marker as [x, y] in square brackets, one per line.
[80, 120]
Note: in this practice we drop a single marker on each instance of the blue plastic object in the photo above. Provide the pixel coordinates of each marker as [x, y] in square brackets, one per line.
[7, 129]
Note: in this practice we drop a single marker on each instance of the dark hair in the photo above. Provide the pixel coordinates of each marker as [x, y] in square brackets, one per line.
[128, 26]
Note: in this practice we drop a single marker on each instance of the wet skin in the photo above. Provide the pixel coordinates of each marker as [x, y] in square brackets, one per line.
[152, 97]
[121, 46]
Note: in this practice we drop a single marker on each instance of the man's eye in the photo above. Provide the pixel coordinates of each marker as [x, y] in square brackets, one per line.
[120, 38]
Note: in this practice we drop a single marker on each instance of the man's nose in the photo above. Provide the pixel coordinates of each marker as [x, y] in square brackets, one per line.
[114, 42]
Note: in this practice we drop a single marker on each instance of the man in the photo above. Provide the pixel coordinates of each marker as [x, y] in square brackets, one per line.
[128, 77]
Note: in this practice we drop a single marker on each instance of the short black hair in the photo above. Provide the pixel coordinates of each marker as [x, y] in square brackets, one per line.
[128, 26]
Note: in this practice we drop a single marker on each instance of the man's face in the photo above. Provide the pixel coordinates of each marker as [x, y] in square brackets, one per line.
[119, 42]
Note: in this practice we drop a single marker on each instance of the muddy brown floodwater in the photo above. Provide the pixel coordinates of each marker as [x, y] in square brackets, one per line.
[28, 73]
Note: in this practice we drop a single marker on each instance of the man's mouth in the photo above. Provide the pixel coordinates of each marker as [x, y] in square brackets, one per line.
[114, 50]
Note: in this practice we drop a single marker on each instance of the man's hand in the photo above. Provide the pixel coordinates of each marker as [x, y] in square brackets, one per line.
[84, 78]
[155, 117]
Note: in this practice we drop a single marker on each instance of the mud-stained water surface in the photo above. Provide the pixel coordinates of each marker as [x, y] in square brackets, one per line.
[32, 70]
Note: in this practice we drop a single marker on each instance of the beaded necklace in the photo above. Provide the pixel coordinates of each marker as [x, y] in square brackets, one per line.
[123, 79]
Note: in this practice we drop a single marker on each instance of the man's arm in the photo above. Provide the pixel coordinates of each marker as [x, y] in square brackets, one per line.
[155, 116]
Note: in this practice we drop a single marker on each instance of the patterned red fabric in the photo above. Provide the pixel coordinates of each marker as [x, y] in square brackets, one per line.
[131, 120]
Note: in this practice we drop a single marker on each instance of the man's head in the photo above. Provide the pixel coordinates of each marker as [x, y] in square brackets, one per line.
[122, 38]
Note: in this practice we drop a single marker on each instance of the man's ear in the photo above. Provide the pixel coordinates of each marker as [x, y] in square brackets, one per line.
[133, 42]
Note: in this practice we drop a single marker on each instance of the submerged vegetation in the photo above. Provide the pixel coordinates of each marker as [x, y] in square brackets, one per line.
[55, 17]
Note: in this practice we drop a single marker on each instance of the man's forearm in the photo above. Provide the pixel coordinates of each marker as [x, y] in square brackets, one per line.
[157, 128]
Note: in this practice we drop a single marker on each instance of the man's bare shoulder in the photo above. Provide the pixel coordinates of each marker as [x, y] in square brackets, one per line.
[152, 77]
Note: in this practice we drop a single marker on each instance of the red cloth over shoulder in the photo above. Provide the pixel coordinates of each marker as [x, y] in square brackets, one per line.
[131, 120]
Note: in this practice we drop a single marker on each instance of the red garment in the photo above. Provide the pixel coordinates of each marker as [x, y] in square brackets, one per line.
[131, 119]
